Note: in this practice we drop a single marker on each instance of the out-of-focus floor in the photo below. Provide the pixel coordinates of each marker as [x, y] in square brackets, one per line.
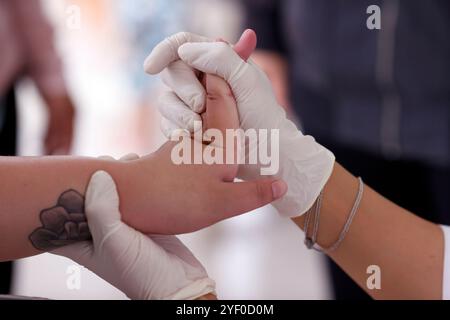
[255, 256]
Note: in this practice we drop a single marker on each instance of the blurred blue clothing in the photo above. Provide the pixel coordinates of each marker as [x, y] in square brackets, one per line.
[383, 91]
[146, 23]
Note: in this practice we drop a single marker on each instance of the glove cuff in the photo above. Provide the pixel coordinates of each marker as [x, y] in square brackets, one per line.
[304, 188]
[306, 166]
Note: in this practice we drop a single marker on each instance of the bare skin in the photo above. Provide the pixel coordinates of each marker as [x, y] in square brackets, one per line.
[60, 129]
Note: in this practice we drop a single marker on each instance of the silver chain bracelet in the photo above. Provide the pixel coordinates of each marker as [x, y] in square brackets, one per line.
[311, 242]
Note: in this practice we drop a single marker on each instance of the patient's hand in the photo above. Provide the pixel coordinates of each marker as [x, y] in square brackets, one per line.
[221, 114]
[185, 198]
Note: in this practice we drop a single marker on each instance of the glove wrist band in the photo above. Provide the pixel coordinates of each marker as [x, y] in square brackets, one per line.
[311, 240]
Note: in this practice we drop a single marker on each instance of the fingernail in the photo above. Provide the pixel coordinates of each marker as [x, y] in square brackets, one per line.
[279, 189]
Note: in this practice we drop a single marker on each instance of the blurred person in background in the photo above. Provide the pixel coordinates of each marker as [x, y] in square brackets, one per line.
[27, 51]
[378, 98]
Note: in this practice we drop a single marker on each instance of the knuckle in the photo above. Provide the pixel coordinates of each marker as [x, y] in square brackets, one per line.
[195, 99]
[222, 92]
[213, 96]
[181, 37]
[216, 87]
[176, 40]
[219, 92]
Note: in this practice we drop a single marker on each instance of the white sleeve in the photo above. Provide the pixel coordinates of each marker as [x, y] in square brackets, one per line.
[446, 278]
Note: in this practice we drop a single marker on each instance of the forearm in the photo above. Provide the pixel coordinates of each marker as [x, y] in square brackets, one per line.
[31, 186]
[408, 249]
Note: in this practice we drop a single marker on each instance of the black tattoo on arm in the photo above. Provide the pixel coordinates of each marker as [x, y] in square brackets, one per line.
[63, 224]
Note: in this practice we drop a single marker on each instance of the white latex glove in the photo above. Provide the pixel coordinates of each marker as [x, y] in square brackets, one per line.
[143, 267]
[304, 164]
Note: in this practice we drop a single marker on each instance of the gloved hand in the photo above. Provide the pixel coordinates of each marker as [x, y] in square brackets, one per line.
[141, 266]
[304, 164]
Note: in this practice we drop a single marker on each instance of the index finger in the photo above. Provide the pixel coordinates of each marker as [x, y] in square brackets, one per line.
[166, 51]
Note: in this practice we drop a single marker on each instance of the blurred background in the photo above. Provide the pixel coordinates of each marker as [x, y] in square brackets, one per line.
[367, 78]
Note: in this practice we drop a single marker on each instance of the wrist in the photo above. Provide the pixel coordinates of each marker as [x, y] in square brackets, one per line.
[138, 192]
[338, 199]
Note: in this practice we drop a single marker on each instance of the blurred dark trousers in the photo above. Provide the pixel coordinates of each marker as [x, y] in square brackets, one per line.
[420, 188]
[8, 147]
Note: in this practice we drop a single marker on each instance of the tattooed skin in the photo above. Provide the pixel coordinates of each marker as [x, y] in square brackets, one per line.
[62, 224]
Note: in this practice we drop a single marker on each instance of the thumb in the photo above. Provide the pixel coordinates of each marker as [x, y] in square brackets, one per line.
[246, 44]
[102, 205]
[242, 197]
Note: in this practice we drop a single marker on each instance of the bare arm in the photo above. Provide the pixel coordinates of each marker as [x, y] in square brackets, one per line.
[43, 65]
[408, 249]
[60, 127]
[33, 189]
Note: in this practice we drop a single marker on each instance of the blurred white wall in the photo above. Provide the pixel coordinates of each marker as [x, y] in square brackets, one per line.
[255, 256]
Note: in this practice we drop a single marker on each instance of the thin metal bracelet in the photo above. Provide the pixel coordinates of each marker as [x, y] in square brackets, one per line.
[311, 242]
[308, 241]
[317, 218]
[349, 219]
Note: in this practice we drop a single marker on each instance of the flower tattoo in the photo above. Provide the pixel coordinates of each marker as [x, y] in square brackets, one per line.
[62, 224]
